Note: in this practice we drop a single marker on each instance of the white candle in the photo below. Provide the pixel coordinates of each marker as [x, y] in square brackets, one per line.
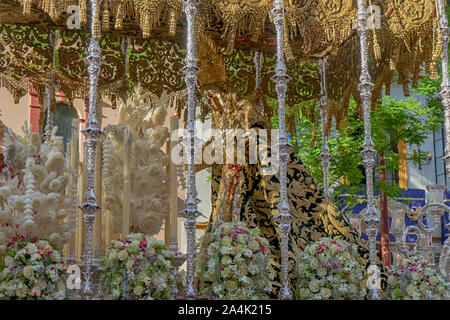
[126, 184]
[172, 229]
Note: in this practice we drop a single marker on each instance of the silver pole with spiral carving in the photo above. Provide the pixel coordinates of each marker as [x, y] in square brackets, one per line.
[190, 213]
[50, 87]
[325, 151]
[284, 218]
[92, 133]
[445, 100]
[445, 85]
[368, 153]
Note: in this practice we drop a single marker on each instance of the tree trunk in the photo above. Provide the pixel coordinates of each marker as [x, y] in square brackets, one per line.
[384, 215]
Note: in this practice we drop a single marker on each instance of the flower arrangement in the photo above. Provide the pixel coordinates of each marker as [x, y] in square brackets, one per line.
[235, 263]
[417, 279]
[140, 267]
[32, 270]
[330, 269]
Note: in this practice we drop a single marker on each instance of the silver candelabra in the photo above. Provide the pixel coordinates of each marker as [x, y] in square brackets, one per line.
[284, 218]
[190, 213]
[92, 133]
[368, 153]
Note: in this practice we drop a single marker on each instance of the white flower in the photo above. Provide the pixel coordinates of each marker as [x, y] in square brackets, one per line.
[416, 295]
[314, 263]
[55, 256]
[141, 276]
[35, 256]
[227, 240]
[42, 284]
[226, 250]
[21, 291]
[9, 261]
[410, 289]
[405, 262]
[416, 276]
[322, 272]
[43, 244]
[433, 280]
[440, 289]
[230, 285]
[129, 264]
[31, 247]
[301, 268]
[248, 253]
[241, 238]
[226, 272]
[253, 268]
[304, 293]
[217, 288]
[244, 279]
[423, 288]
[28, 272]
[314, 285]
[138, 290]
[226, 228]
[325, 293]
[112, 255]
[5, 273]
[118, 245]
[226, 260]
[115, 294]
[123, 255]
[59, 295]
[211, 263]
[313, 248]
[253, 245]
[151, 250]
[212, 249]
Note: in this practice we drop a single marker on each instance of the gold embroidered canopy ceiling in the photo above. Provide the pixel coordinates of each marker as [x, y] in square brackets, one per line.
[403, 39]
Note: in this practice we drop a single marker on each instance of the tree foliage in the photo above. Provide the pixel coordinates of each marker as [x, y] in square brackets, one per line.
[393, 121]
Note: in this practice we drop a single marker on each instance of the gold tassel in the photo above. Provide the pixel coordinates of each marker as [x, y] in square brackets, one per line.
[46, 6]
[83, 12]
[376, 47]
[52, 12]
[119, 18]
[287, 48]
[105, 17]
[146, 26]
[405, 85]
[394, 59]
[172, 22]
[97, 28]
[27, 7]
[387, 88]
[230, 44]
[434, 74]
[53, 103]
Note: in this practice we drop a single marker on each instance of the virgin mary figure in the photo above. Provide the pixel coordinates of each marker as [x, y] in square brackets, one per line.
[244, 192]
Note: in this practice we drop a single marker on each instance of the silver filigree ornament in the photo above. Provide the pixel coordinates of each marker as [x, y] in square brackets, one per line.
[368, 153]
[325, 150]
[445, 100]
[92, 133]
[50, 87]
[190, 213]
[445, 85]
[284, 218]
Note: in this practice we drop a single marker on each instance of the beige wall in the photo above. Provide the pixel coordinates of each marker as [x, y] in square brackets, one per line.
[14, 115]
